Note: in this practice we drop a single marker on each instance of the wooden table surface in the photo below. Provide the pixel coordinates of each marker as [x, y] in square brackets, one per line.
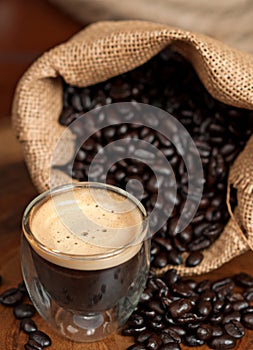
[32, 27]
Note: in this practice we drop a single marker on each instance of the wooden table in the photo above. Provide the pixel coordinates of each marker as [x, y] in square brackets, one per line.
[16, 191]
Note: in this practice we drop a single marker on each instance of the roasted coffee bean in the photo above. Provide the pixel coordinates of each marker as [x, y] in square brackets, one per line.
[247, 320]
[248, 294]
[223, 342]
[204, 332]
[130, 330]
[156, 306]
[218, 305]
[170, 346]
[243, 280]
[11, 297]
[204, 308]
[24, 311]
[235, 297]
[22, 287]
[171, 277]
[189, 317]
[28, 325]
[232, 316]
[169, 335]
[217, 331]
[33, 345]
[208, 295]
[146, 295]
[192, 340]
[248, 310]
[235, 329]
[203, 286]
[180, 307]
[156, 323]
[216, 318]
[174, 257]
[179, 330]
[223, 283]
[41, 338]
[240, 305]
[137, 347]
[143, 336]
[183, 290]
[154, 342]
[194, 259]
[163, 259]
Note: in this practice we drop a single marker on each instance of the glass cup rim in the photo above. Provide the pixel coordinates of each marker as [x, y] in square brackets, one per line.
[39, 199]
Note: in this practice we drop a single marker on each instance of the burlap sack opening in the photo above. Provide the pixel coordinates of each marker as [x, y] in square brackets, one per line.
[107, 49]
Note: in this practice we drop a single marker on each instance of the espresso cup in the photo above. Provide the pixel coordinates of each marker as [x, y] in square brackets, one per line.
[85, 256]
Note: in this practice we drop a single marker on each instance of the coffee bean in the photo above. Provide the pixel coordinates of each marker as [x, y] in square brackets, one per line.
[223, 342]
[170, 346]
[169, 335]
[22, 287]
[235, 329]
[171, 277]
[11, 297]
[156, 306]
[232, 316]
[204, 308]
[28, 325]
[154, 342]
[204, 332]
[194, 259]
[216, 331]
[248, 310]
[240, 305]
[243, 280]
[136, 347]
[179, 330]
[24, 311]
[143, 336]
[248, 294]
[33, 345]
[130, 331]
[191, 340]
[203, 286]
[218, 305]
[216, 318]
[41, 338]
[208, 295]
[179, 307]
[174, 258]
[247, 320]
[190, 317]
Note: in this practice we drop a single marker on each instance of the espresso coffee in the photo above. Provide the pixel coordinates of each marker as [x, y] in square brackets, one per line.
[88, 247]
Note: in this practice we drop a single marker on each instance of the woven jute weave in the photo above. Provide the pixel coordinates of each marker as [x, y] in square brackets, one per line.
[106, 49]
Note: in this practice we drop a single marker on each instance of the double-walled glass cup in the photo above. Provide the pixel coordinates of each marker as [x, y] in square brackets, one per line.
[85, 257]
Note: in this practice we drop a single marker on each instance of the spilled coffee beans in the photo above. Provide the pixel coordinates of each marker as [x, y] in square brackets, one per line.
[205, 316]
[13, 297]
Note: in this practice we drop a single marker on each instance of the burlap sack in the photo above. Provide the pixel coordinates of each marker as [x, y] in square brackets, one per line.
[107, 49]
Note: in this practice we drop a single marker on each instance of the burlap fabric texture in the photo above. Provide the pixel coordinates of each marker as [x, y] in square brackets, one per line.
[106, 49]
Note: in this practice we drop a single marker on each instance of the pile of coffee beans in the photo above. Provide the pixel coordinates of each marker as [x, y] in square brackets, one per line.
[175, 311]
[15, 298]
[220, 132]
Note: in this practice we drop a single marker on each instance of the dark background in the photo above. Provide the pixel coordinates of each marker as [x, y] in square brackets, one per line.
[27, 28]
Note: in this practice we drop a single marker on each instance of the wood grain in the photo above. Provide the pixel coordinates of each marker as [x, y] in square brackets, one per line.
[15, 192]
